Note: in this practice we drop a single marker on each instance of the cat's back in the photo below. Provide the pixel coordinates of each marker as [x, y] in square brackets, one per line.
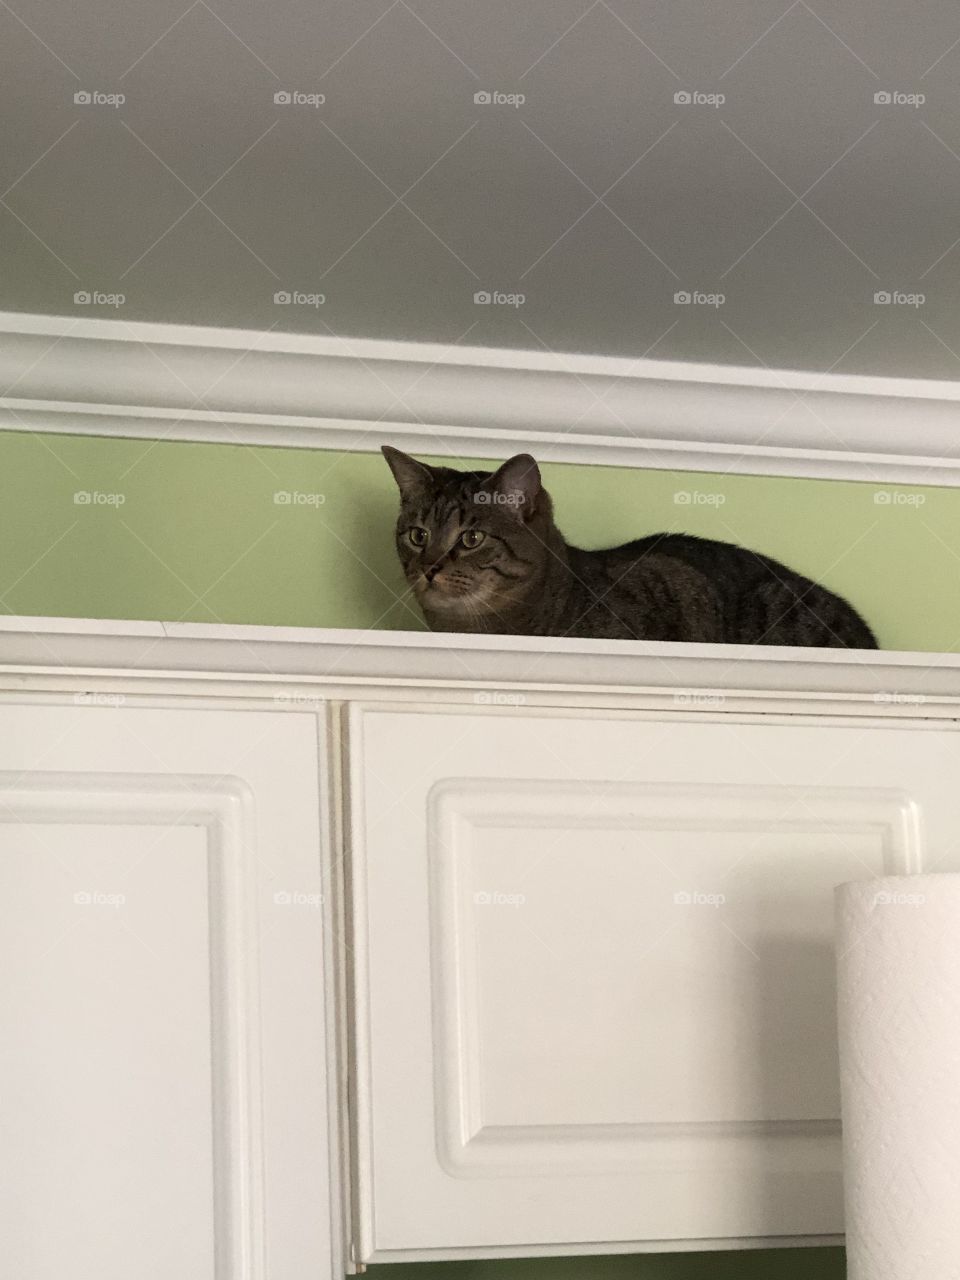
[732, 573]
[710, 556]
[706, 589]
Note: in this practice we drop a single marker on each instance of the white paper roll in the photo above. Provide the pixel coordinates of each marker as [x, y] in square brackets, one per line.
[898, 958]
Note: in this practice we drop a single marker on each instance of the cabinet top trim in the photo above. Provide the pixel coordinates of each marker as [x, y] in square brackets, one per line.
[906, 681]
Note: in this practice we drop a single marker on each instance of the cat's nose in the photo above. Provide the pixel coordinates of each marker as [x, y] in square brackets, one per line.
[432, 572]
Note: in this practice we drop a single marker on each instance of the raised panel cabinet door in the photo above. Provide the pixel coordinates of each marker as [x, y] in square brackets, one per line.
[163, 1070]
[594, 967]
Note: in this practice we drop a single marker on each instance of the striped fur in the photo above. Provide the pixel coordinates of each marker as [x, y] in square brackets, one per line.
[523, 578]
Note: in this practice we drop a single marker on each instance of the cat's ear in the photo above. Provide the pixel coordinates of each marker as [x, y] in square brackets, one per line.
[411, 476]
[518, 485]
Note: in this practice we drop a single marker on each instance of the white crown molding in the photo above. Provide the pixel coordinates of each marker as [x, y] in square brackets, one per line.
[177, 382]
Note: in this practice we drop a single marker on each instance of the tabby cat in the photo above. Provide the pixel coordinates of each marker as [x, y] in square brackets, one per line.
[482, 553]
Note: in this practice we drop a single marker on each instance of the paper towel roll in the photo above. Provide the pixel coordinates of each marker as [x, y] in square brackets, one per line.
[898, 957]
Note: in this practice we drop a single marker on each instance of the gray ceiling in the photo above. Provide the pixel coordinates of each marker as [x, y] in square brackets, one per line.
[598, 198]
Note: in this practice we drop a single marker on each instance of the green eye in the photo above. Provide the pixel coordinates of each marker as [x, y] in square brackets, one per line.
[472, 538]
[418, 537]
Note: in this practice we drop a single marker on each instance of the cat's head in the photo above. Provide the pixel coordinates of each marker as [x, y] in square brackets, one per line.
[472, 543]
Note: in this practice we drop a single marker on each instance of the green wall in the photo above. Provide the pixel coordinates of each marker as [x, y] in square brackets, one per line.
[765, 1264]
[199, 537]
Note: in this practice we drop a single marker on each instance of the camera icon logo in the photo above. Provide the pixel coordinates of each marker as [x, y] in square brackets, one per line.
[282, 498]
[282, 298]
[682, 98]
[882, 499]
[283, 898]
[482, 98]
[681, 498]
[282, 98]
[82, 498]
[81, 298]
[882, 299]
[82, 98]
[883, 98]
[482, 298]
[682, 298]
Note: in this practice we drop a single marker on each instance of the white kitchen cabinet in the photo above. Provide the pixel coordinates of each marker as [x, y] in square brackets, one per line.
[320, 949]
[163, 1063]
[595, 966]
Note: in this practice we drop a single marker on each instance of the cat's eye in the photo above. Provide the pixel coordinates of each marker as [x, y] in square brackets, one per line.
[418, 537]
[472, 538]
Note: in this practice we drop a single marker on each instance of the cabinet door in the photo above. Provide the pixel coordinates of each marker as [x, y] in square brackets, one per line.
[594, 968]
[162, 1036]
